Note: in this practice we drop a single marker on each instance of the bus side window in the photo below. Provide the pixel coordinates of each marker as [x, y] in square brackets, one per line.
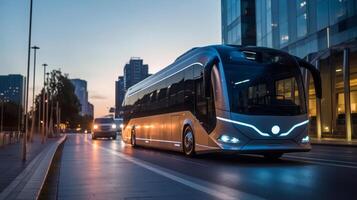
[189, 89]
[197, 71]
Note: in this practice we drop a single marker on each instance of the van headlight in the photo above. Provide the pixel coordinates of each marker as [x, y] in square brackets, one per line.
[305, 139]
[228, 139]
[114, 126]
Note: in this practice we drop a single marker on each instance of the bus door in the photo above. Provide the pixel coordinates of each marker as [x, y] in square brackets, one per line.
[204, 109]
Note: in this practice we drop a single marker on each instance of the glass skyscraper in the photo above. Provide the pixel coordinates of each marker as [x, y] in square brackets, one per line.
[324, 32]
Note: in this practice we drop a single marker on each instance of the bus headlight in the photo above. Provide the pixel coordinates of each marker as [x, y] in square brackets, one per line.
[305, 139]
[228, 139]
[114, 126]
[121, 126]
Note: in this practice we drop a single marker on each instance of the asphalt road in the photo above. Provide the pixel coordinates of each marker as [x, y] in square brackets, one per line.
[107, 169]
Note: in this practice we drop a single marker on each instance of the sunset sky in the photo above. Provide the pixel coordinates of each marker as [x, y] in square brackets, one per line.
[93, 39]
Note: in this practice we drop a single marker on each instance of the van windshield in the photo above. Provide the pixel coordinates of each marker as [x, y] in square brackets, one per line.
[103, 120]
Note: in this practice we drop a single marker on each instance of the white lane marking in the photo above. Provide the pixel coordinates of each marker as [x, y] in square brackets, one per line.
[312, 154]
[218, 191]
[321, 161]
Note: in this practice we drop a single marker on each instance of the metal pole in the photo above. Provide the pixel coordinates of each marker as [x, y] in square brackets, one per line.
[19, 118]
[57, 122]
[33, 93]
[27, 87]
[23, 105]
[346, 82]
[39, 117]
[59, 119]
[51, 118]
[44, 104]
[48, 96]
[2, 114]
[318, 110]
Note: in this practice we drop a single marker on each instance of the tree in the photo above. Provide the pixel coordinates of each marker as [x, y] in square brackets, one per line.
[61, 90]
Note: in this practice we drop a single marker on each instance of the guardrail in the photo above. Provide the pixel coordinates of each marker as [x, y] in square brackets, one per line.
[9, 137]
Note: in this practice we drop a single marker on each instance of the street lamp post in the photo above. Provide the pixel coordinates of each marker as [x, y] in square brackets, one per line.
[44, 104]
[39, 117]
[24, 143]
[35, 48]
[48, 96]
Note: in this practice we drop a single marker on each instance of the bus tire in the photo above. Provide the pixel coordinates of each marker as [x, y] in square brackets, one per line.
[133, 138]
[188, 142]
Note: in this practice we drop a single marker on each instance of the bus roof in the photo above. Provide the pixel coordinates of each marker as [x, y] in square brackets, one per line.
[221, 51]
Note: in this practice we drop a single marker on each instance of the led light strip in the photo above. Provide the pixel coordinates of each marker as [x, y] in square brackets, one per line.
[155, 140]
[205, 146]
[244, 124]
[260, 132]
[292, 128]
[196, 63]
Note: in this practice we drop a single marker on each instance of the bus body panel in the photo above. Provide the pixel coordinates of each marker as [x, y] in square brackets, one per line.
[149, 132]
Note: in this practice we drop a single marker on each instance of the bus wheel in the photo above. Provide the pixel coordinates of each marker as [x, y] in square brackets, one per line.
[272, 156]
[133, 139]
[188, 142]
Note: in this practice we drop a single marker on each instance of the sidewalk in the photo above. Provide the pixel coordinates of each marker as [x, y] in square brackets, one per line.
[334, 142]
[11, 162]
[18, 177]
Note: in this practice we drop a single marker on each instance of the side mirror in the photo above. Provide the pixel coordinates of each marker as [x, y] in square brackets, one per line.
[207, 76]
[315, 75]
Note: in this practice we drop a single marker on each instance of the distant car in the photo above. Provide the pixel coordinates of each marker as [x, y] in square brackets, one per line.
[119, 123]
[104, 127]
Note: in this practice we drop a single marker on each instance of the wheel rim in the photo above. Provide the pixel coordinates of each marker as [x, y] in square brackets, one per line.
[188, 142]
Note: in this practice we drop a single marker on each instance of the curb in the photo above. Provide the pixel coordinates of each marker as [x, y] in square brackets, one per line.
[29, 183]
[334, 144]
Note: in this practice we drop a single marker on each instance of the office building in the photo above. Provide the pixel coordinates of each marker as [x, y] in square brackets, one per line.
[90, 109]
[119, 96]
[11, 88]
[323, 32]
[80, 89]
[134, 72]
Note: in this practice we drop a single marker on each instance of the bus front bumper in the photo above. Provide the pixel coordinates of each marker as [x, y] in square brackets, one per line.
[262, 147]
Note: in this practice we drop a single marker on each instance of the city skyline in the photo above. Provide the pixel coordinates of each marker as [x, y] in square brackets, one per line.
[115, 30]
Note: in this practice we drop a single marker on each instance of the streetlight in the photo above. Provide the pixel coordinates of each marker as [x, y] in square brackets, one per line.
[48, 96]
[24, 143]
[35, 48]
[44, 104]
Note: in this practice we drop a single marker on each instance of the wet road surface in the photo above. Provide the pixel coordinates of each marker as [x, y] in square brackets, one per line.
[109, 169]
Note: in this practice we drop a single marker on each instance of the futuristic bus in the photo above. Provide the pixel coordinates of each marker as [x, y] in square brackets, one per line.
[223, 98]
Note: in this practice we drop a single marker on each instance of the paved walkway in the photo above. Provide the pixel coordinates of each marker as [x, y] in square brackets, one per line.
[333, 141]
[11, 163]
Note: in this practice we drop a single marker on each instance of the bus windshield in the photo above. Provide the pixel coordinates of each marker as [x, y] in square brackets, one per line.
[265, 89]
